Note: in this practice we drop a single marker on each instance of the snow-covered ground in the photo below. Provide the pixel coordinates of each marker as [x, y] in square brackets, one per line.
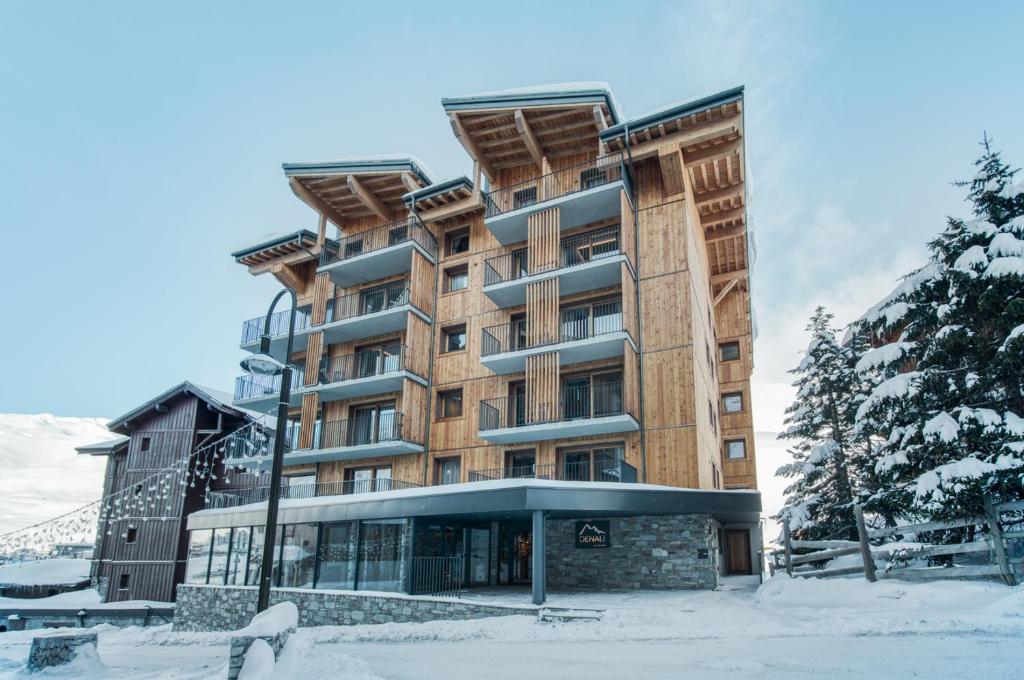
[838, 628]
[54, 572]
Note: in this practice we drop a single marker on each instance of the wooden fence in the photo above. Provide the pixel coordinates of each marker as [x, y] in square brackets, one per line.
[1004, 550]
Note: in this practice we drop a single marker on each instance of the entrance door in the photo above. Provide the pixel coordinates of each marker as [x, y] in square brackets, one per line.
[515, 548]
[737, 551]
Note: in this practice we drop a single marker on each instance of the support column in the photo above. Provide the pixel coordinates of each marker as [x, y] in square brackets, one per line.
[538, 558]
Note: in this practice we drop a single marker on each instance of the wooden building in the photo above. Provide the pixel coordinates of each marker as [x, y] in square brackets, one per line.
[142, 555]
[577, 309]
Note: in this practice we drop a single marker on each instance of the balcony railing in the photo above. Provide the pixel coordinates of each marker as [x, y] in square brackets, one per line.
[596, 470]
[368, 301]
[378, 238]
[364, 364]
[360, 430]
[573, 251]
[576, 323]
[253, 328]
[596, 399]
[570, 180]
[229, 498]
[255, 386]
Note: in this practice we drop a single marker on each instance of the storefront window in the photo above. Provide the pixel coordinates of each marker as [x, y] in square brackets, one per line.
[239, 556]
[380, 555]
[338, 557]
[298, 556]
[219, 555]
[198, 556]
[256, 556]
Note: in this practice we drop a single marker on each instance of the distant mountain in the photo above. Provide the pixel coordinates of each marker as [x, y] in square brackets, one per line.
[42, 474]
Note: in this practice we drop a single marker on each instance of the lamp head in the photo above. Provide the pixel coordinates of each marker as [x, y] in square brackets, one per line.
[262, 364]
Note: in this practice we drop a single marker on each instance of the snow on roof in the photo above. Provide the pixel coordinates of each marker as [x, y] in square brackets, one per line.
[225, 398]
[546, 91]
[103, 447]
[673, 110]
[57, 572]
[369, 160]
[214, 397]
[273, 238]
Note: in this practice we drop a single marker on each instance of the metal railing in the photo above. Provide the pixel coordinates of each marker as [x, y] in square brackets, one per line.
[364, 364]
[253, 386]
[368, 301]
[438, 576]
[370, 428]
[573, 252]
[597, 398]
[253, 328]
[378, 238]
[596, 470]
[576, 323]
[247, 444]
[576, 178]
[229, 498]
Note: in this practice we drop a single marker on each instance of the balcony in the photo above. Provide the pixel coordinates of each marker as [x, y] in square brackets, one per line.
[253, 328]
[230, 498]
[373, 371]
[363, 436]
[260, 392]
[587, 333]
[370, 312]
[596, 470]
[589, 261]
[585, 193]
[377, 253]
[595, 408]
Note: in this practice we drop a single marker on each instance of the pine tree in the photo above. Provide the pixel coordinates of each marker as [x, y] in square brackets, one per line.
[949, 362]
[819, 502]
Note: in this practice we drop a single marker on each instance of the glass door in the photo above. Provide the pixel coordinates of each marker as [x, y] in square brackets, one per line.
[362, 480]
[337, 568]
[517, 405]
[607, 392]
[520, 463]
[576, 398]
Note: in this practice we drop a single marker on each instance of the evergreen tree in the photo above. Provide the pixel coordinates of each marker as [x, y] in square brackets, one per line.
[949, 362]
[819, 502]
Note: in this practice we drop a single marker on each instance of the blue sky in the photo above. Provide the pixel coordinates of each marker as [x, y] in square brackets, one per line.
[142, 143]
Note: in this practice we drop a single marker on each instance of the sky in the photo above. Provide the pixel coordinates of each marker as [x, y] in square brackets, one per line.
[142, 142]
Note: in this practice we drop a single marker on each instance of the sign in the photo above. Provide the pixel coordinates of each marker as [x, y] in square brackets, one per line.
[593, 534]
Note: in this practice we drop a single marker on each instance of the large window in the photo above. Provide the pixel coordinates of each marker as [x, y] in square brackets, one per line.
[596, 318]
[198, 567]
[373, 423]
[299, 486]
[367, 479]
[219, 555]
[256, 556]
[338, 557]
[298, 556]
[381, 551]
[592, 396]
[598, 464]
[239, 557]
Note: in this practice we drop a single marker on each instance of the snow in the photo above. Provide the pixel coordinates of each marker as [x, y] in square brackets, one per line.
[789, 628]
[885, 355]
[385, 157]
[259, 662]
[971, 259]
[1006, 245]
[896, 387]
[1014, 424]
[274, 620]
[890, 306]
[943, 427]
[44, 572]
[43, 474]
[79, 599]
[1005, 266]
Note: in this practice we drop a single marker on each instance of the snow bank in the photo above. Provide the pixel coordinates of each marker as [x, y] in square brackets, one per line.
[259, 661]
[45, 572]
[273, 621]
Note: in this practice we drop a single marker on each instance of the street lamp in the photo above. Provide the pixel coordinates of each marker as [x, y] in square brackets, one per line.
[265, 364]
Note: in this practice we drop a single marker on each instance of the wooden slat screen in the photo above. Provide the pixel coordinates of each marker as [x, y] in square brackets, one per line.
[542, 387]
[542, 312]
[543, 232]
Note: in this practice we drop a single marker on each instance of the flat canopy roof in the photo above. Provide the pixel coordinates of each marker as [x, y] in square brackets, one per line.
[498, 500]
[104, 448]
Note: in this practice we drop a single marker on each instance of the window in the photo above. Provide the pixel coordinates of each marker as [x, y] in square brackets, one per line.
[711, 416]
[593, 177]
[122, 583]
[338, 557]
[736, 449]
[145, 444]
[448, 470]
[733, 402]
[131, 535]
[299, 486]
[524, 197]
[367, 479]
[198, 566]
[456, 278]
[714, 475]
[729, 351]
[298, 556]
[602, 464]
[449, 403]
[219, 556]
[457, 242]
[239, 556]
[453, 339]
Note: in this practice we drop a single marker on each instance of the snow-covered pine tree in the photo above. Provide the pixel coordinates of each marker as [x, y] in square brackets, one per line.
[949, 362]
[819, 501]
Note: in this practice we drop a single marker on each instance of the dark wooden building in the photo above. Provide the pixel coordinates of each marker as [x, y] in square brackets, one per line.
[142, 556]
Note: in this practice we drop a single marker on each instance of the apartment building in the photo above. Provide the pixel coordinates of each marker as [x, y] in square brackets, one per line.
[500, 369]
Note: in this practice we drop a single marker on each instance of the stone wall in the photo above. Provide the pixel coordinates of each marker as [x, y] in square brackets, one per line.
[240, 645]
[57, 650]
[647, 552]
[12, 619]
[205, 608]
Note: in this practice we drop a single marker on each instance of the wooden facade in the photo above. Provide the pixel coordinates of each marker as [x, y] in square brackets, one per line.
[682, 289]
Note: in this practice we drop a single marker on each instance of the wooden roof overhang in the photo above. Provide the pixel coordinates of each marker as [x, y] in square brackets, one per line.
[521, 128]
[296, 243]
[341, 190]
[444, 199]
[704, 139]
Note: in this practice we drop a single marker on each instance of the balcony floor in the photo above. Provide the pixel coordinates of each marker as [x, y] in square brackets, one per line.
[279, 342]
[601, 273]
[602, 346]
[358, 452]
[577, 209]
[564, 429]
[378, 264]
[360, 387]
[369, 325]
[267, 403]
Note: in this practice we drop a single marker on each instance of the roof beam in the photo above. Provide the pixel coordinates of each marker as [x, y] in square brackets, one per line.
[671, 161]
[410, 182]
[368, 199]
[314, 202]
[714, 152]
[725, 277]
[602, 123]
[722, 154]
[713, 235]
[529, 139]
[723, 217]
[470, 146]
[725, 291]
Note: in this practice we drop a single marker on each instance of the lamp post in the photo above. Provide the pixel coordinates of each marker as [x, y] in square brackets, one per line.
[265, 364]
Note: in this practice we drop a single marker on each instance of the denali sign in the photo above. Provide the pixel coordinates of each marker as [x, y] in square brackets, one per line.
[593, 534]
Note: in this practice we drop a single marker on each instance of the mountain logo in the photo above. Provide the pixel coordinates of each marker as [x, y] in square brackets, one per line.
[593, 534]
